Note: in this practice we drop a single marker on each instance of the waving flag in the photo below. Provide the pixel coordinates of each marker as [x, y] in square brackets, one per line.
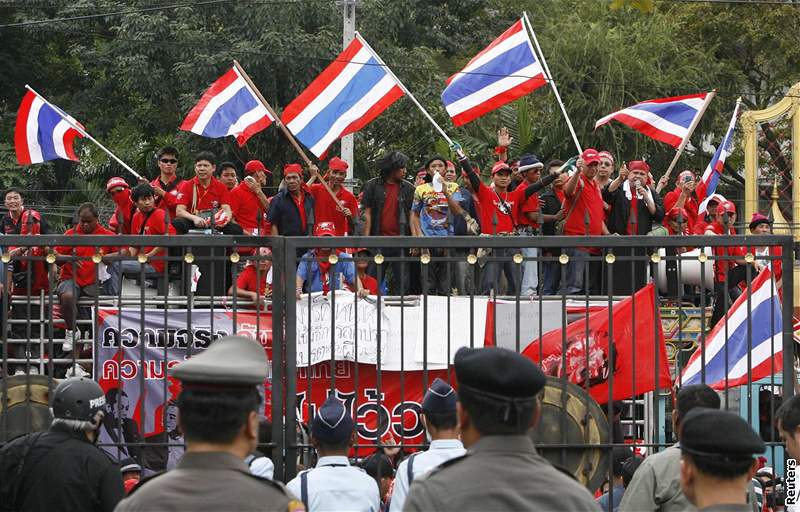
[664, 119]
[763, 344]
[505, 70]
[640, 357]
[228, 107]
[352, 91]
[42, 133]
[708, 183]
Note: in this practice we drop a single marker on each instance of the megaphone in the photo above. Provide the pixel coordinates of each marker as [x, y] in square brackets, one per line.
[672, 273]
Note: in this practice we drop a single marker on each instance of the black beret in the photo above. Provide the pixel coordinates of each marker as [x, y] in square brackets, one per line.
[333, 423]
[440, 398]
[498, 373]
[719, 434]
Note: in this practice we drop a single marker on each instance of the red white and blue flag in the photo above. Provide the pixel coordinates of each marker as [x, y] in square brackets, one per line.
[505, 70]
[708, 183]
[664, 119]
[42, 133]
[752, 340]
[228, 107]
[352, 91]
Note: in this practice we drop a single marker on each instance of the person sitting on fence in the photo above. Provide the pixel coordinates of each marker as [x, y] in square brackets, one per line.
[249, 203]
[362, 264]
[291, 210]
[148, 220]
[82, 276]
[28, 277]
[255, 281]
[766, 256]
[166, 183]
[200, 198]
[728, 273]
[315, 271]
[326, 209]
[120, 192]
[227, 175]
[702, 222]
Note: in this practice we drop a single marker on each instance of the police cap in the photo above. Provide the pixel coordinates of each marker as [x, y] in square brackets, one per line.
[718, 434]
[229, 361]
[333, 423]
[498, 373]
[440, 398]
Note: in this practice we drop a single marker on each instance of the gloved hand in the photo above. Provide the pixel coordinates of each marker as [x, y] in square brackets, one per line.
[458, 150]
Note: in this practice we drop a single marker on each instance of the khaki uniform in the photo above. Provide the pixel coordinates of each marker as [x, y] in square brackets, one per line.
[498, 473]
[656, 485]
[210, 481]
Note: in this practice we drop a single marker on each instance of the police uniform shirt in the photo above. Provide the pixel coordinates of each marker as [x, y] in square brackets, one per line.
[335, 485]
[212, 481]
[441, 450]
[656, 485]
[498, 473]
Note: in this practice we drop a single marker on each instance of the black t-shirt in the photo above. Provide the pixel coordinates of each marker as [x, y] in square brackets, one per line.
[61, 471]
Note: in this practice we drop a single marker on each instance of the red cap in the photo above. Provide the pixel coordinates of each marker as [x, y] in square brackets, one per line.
[638, 165]
[728, 207]
[500, 166]
[590, 156]
[115, 182]
[325, 229]
[292, 169]
[717, 198]
[606, 154]
[254, 166]
[337, 164]
[450, 166]
[675, 212]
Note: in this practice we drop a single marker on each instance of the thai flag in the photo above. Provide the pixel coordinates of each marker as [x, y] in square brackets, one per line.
[664, 119]
[352, 91]
[708, 183]
[505, 70]
[764, 345]
[228, 107]
[42, 133]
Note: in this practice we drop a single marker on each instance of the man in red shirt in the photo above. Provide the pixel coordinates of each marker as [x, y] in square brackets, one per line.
[728, 273]
[255, 282]
[80, 277]
[201, 197]
[702, 222]
[583, 210]
[362, 263]
[325, 207]
[227, 175]
[249, 204]
[166, 183]
[683, 196]
[120, 192]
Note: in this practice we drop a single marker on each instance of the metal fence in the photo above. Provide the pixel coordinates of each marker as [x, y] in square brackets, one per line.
[610, 370]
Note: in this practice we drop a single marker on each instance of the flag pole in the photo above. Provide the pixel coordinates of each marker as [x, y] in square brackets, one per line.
[692, 126]
[552, 82]
[284, 129]
[404, 89]
[84, 133]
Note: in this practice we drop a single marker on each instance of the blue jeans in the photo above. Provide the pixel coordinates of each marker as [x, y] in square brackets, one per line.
[551, 277]
[127, 267]
[530, 272]
[576, 269]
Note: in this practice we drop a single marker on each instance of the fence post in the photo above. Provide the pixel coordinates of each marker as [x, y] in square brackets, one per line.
[290, 343]
[277, 373]
[787, 288]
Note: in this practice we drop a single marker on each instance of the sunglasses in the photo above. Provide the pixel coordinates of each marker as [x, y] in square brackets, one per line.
[168, 161]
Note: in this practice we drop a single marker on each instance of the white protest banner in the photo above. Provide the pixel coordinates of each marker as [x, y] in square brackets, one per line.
[444, 337]
[321, 329]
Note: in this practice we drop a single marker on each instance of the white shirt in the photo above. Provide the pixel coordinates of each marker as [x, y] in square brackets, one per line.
[261, 466]
[440, 451]
[335, 485]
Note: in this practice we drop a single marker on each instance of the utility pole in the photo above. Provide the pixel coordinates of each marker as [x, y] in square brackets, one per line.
[348, 34]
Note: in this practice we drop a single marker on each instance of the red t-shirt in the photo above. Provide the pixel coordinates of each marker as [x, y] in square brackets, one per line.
[153, 224]
[85, 275]
[170, 200]
[491, 206]
[247, 210]
[530, 206]
[390, 222]
[204, 197]
[721, 266]
[590, 201]
[247, 280]
[690, 205]
[370, 283]
[325, 209]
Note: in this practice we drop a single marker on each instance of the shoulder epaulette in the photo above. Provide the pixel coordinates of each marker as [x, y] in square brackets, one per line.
[441, 467]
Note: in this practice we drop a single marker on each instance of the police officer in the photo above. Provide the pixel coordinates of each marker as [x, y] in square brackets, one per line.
[60, 468]
[334, 484]
[218, 417]
[716, 469]
[497, 404]
[656, 484]
[441, 424]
